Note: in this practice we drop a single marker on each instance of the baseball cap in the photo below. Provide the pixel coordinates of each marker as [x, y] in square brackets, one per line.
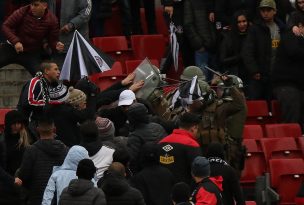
[268, 4]
[126, 97]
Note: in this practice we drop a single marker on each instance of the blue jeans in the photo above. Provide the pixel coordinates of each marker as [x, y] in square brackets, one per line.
[201, 60]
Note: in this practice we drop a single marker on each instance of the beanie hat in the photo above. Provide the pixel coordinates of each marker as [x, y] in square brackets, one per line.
[215, 149]
[76, 97]
[59, 93]
[126, 97]
[181, 192]
[200, 167]
[86, 169]
[105, 127]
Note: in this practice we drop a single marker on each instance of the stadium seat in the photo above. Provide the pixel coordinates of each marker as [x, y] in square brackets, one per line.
[276, 111]
[131, 65]
[252, 132]
[286, 175]
[108, 78]
[255, 164]
[258, 112]
[151, 46]
[300, 141]
[3, 112]
[279, 148]
[115, 46]
[283, 130]
[250, 202]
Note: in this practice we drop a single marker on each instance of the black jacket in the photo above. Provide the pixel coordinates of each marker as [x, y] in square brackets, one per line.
[37, 166]
[288, 68]
[198, 29]
[154, 182]
[82, 192]
[119, 192]
[230, 53]
[232, 193]
[256, 51]
[67, 119]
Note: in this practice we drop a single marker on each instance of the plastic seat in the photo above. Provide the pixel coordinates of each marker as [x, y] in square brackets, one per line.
[131, 65]
[255, 164]
[275, 148]
[116, 47]
[252, 132]
[3, 112]
[276, 111]
[108, 78]
[283, 130]
[250, 202]
[258, 112]
[151, 46]
[286, 176]
[300, 141]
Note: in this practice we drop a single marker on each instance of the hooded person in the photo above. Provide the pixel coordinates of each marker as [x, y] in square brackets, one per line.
[69, 115]
[100, 154]
[153, 181]
[117, 189]
[141, 132]
[14, 141]
[181, 193]
[232, 192]
[208, 189]
[62, 175]
[82, 190]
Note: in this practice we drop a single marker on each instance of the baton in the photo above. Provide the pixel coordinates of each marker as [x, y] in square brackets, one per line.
[213, 71]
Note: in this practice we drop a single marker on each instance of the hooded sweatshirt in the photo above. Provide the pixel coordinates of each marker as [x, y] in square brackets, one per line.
[82, 192]
[37, 166]
[62, 175]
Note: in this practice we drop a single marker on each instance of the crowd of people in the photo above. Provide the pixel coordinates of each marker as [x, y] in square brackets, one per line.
[80, 145]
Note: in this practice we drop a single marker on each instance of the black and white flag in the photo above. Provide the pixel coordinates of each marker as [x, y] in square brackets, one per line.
[83, 59]
[174, 45]
[187, 93]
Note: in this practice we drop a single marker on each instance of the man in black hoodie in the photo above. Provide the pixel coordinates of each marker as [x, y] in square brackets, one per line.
[39, 159]
[81, 191]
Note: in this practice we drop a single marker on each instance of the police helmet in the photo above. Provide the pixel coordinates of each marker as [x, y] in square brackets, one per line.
[191, 71]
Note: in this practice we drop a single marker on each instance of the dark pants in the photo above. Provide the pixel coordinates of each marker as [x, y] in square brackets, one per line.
[149, 6]
[126, 17]
[184, 45]
[2, 12]
[291, 100]
[30, 60]
[259, 90]
[59, 58]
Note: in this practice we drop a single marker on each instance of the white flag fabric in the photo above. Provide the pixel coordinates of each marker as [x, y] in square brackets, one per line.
[174, 45]
[83, 59]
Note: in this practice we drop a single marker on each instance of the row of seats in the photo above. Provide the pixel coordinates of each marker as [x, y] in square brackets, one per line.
[261, 112]
[282, 158]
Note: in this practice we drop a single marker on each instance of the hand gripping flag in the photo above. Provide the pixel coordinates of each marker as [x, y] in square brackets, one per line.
[83, 59]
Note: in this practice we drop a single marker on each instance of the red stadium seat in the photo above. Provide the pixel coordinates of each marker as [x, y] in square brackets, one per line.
[255, 164]
[115, 46]
[276, 111]
[131, 65]
[151, 46]
[3, 112]
[258, 112]
[279, 148]
[286, 175]
[252, 132]
[108, 78]
[283, 130]
[300, 141]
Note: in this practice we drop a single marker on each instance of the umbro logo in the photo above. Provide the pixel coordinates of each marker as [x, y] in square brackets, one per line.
[167, 148]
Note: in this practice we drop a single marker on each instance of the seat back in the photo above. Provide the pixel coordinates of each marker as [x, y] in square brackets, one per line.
[275, 148]
[3, 112]
[131, 65]
[151, 46]
[252, 132]
[255, 164]
[283, 130]
[257, 112]
[286, 177]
